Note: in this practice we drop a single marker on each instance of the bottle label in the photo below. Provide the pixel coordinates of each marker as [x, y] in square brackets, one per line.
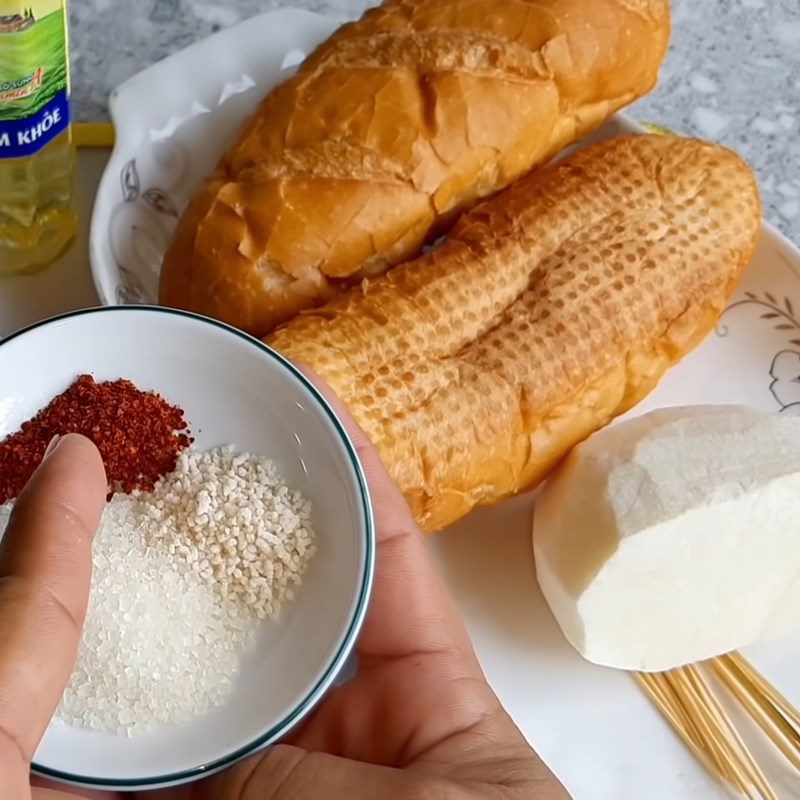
[34, 82]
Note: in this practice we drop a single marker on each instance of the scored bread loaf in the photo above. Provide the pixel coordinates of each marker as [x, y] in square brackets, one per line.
[549, 310]
[391, 127]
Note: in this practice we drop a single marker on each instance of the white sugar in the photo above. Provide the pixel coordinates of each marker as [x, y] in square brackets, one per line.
[158, 645]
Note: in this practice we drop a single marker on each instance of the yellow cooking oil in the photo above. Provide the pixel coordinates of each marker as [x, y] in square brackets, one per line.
[37, 156]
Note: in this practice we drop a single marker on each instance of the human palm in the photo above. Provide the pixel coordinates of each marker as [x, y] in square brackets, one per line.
[417, 721]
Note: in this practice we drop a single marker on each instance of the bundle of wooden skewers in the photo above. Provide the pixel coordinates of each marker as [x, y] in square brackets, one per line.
[689, 698]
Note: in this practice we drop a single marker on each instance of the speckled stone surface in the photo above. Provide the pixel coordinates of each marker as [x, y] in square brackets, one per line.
[733, 71]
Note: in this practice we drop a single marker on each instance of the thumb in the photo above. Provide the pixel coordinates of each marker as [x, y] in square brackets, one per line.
[45, 570]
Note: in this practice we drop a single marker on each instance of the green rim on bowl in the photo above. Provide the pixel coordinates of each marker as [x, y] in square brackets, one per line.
[338, 661]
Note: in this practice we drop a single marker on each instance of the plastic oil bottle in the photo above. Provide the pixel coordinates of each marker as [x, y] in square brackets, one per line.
[37, 157]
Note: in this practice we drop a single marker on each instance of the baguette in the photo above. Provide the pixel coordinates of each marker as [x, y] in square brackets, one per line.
[388, 130]
[549, 310]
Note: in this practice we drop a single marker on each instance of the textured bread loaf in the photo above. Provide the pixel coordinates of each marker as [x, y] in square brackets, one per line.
[391, 127]
[549, 310]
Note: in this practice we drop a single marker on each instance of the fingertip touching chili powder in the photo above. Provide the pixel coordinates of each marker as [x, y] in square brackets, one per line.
[139, 435]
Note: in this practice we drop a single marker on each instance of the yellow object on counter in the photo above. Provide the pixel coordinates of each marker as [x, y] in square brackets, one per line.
[93, 134]
[653, 127]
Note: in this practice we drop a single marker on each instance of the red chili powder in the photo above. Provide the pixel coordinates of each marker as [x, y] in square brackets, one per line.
[139, 435]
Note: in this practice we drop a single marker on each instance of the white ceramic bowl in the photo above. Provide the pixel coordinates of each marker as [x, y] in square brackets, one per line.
[236, 391]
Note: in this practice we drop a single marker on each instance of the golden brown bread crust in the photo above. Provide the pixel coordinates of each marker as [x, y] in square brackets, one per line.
[549, 310]
[392, 126]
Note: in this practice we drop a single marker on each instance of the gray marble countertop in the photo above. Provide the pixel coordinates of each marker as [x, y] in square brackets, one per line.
[732, 74]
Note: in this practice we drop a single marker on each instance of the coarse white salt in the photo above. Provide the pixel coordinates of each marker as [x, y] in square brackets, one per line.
[232, 518]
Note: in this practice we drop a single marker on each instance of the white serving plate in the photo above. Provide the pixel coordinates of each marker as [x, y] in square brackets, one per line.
[590, 724]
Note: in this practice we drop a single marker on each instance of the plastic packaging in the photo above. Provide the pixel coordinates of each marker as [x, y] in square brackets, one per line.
[37, 156]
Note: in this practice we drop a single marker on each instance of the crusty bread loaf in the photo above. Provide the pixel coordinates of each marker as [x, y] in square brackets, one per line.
[391, 127]
[549, 310]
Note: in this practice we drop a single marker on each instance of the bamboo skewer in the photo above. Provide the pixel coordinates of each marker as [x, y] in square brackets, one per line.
[770, 710]
[775, 697]
[710, 736]
[656, 685]
[688, 701]
[753, 775]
